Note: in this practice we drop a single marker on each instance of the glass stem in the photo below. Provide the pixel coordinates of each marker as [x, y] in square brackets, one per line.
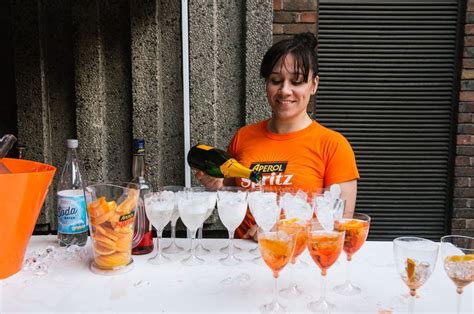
[411, 305]
[458, 303]
[193, 249]
[231, 243]
[159, 234]
[323, 288]
[200, 233]
[275, 289]
[173, 232]
[348, 273]
[291, 271]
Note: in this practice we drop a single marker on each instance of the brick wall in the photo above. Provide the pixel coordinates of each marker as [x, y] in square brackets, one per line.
[463, 202]
[292, 17]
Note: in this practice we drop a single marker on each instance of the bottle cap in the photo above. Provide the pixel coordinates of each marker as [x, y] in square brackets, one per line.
[72, 143]
[138, 146]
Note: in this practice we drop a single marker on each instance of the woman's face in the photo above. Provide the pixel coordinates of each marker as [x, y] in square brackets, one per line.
[287, 93]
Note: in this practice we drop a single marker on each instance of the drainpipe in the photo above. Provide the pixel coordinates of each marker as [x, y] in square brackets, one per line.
[186, 117]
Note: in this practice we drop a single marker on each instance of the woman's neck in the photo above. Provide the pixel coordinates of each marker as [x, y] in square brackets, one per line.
[279, 126]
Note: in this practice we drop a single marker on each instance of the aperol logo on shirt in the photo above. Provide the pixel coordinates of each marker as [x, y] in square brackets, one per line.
[269, 167]
[273, 173]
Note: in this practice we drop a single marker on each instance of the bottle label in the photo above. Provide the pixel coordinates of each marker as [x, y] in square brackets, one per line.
[72, 214]
[204, 147]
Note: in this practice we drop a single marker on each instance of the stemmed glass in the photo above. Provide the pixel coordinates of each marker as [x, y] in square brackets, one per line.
[298, 212]
[212, 197]
[159, 208]
[324, 246]
[415, 259]
[298, 229]
[276, 248]
[263, 204]
[458, 258]
[193, 207]
[357, 229]
[231, 206]
[173, 247]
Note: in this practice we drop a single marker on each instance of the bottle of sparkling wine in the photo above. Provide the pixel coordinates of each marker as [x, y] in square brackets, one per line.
[217, 163]
[145, 246]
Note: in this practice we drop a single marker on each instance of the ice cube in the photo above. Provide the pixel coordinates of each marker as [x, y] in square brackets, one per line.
[325, 217]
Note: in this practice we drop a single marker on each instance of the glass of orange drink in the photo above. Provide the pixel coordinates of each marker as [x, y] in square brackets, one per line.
[458, 260]
[276, 248]
[357, 229]
[298, 229]
[324, 246]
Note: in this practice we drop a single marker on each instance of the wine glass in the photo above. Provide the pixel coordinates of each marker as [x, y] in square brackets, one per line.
[212, 198]
[357, 229]
[276, 248]
[193, 207]
[324, 246]
[263, 204]
[415, 259]
[231, 206]
[159, 208]
[173, 247]
[298, 229]
[458, 258]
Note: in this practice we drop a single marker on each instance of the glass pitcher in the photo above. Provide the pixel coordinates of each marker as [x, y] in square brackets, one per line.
[112, 209]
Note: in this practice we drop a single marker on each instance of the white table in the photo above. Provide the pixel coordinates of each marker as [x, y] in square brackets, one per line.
[72, 287]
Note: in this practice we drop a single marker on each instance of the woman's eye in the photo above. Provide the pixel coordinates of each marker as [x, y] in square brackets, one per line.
[275, 81]
[297, 82]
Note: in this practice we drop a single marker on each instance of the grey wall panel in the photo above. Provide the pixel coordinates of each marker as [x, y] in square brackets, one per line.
[258, 30]
[108, 71]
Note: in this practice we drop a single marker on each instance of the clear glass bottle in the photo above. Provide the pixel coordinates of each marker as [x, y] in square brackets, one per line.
[73, 225]
[145, 246]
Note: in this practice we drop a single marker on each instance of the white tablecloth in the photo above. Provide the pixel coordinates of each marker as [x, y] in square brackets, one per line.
[71, 287]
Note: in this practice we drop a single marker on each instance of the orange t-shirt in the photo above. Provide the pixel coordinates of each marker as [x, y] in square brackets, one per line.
[309, 159]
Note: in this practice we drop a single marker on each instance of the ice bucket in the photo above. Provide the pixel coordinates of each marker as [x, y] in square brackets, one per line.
[22, 193]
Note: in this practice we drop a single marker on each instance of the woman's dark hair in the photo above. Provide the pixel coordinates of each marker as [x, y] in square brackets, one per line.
[303, 48]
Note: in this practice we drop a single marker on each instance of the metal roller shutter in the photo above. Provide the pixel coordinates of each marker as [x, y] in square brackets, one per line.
[389, 82]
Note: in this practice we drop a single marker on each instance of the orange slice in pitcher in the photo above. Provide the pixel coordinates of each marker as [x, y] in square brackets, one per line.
[103, 249]
[112, 260]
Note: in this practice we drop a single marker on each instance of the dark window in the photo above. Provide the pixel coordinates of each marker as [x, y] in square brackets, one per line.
[389, 78]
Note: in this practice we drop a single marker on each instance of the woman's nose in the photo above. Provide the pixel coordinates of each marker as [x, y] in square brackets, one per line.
[285, 88]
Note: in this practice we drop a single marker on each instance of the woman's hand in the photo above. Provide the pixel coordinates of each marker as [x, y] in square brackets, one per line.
[209, 182]
[252, 233]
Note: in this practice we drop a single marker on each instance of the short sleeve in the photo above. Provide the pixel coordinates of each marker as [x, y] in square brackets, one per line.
[232, 148]
[340, 162]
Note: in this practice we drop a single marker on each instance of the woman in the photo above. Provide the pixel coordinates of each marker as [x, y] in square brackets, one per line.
[291, 149]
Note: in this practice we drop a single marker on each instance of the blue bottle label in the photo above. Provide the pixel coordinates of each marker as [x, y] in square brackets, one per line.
[72, 214]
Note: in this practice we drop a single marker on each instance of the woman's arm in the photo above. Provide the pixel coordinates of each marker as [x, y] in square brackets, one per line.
[349, 194]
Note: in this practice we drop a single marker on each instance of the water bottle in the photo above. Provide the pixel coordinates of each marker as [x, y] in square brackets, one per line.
[72, 215]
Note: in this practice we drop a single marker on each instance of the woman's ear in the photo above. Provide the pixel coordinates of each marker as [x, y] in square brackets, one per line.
[315, 85]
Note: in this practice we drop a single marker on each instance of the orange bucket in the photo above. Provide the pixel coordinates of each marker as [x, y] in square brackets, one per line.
[22, 193]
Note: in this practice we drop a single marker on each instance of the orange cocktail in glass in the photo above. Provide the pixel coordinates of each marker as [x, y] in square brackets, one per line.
[299, 230]
[458, 261]
[276, 248]
[325, 248]
[357, 229]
